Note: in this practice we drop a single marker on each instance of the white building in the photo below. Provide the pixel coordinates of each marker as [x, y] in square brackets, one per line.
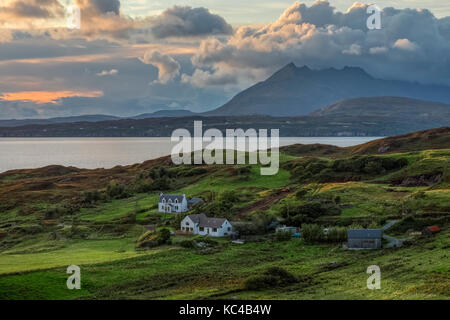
[202, 225]
[172, 203]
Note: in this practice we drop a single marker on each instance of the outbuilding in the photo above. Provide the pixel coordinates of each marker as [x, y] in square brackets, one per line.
[364, 238]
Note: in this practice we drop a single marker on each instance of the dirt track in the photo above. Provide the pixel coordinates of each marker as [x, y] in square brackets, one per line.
[266, 202]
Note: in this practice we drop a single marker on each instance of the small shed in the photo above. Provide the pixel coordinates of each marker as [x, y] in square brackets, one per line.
[194, 201]
[292, 230]
[364, 238]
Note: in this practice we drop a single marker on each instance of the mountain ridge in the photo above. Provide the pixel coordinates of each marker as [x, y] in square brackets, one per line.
[296, 91]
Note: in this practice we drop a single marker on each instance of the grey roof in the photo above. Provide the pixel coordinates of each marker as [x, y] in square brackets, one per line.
[364, 233]
[194, 201]
[171, 197]
[204, 221]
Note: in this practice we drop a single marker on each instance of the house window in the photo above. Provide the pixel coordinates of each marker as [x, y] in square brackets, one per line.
[187, 223]
[215, 229]
[192, 229]
[202, 229]
[229, 229]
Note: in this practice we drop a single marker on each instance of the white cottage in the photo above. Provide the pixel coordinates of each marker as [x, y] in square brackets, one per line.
[202, 225]
[172, 203]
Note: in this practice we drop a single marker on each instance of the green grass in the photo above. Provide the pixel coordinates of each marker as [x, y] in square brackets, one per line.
[76, 252]
[116, 209]
[220, 182]
[417, 272]
[34, 267]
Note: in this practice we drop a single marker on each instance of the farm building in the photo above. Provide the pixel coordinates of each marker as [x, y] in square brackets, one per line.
[364, 238]
[202, 225]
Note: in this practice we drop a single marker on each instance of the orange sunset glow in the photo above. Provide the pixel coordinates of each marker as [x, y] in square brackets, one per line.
[41, 97]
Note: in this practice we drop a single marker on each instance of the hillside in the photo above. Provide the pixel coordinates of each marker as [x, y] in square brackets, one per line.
[303, 126]
[389, 107]
[59, 120]
[165, 114]
[422, 140]
[54, 217]
[294, 91]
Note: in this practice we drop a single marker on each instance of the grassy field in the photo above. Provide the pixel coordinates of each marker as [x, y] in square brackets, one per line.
[418, 272]
[36, 246]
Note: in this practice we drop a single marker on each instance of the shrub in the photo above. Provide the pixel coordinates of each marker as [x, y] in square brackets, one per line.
[198, 242]
[160, 184]
[116, 191]
[243, 171]
[300, 194]
[150, 239]
[192, 172]
[272, 277]
[229, 196]
[337, 234]
[283, 235]
[313, 233]
[89, 197]
[296, 215]
[190, 244]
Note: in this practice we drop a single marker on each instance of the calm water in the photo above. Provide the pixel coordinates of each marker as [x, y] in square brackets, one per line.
[91, 153]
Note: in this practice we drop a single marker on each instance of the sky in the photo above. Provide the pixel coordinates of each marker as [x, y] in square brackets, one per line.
[138, 56]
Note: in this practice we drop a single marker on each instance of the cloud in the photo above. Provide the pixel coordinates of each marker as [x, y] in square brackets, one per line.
[105, 73]
[30, 13]
[103, 19]
[405, 44]
[187, 22]
[5, 35]
[168, 67]
[412, 44]
[99, 6]
[201, 78]
[42, 97]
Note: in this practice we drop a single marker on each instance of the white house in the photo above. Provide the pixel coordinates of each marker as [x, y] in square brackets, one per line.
[172, 203]
[176, 203]
[202, 225]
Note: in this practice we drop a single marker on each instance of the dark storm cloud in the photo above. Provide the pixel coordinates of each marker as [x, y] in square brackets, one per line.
[412, 44]
[187, 22]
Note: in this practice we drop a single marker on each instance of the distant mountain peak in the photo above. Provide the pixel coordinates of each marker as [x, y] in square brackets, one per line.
[294, 91]
[288, 71]
[355, 70]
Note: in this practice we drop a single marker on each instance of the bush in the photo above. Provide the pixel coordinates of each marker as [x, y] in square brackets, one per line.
[337, 234]
[150, 239]
[116, 191]
[189, 244]
[198, 242]
[313, 233]
[89, 197]
[192, 172]
[272, 277]
[283, 235]
[296, 215]
[160, 184]
[243, 171]
[300, 194]
[229, 196]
